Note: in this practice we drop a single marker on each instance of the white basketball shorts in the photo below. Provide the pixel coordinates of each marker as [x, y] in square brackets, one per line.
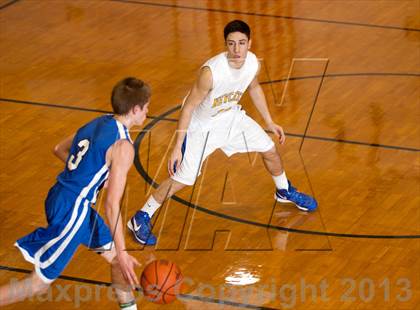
[234, 132]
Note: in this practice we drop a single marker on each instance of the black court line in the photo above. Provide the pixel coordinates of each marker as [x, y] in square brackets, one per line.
[148, 179]
[313, 250]
[385, 146]
[74, 279]
[51, 105]
[401, 148]
[225, 302]
[8, 4]
[180, 296]
[304, 19]
[332, 75]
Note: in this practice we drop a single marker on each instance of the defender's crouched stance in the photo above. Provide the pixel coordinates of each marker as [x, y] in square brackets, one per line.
[212, 119]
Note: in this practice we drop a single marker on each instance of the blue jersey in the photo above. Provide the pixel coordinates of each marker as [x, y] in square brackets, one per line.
[86, 169]
[71, 220]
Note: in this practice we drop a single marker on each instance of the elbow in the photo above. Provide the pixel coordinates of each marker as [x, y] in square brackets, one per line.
[56, 150]
[254, 90]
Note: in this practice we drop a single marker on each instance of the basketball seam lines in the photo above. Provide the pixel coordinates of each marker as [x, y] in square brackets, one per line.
[156, 275]
[176, 283]
[151, 284]
[163, 285]
[163, 298]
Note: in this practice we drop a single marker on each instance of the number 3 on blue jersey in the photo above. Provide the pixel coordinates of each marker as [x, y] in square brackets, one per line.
[74, 161]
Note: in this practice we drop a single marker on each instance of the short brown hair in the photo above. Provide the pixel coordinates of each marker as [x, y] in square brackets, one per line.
[128, 93]
[237, 26]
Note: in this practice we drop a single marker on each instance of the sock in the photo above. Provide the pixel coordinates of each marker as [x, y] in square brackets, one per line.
[131, 305]
[281, 181]
[151, 206]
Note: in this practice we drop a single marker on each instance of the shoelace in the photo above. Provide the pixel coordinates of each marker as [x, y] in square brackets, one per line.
[146, 228]
[300, 197]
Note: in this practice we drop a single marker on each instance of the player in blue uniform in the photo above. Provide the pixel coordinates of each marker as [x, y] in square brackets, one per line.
[100, 151]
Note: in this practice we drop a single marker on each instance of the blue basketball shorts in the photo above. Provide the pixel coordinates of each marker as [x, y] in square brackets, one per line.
[71, 222]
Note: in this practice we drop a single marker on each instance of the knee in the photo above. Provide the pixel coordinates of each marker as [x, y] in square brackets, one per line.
[175, 187]
[39, 287]
[271, 154]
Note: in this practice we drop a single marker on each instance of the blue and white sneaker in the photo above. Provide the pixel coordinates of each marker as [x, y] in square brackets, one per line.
[302, 201]
[139, 224]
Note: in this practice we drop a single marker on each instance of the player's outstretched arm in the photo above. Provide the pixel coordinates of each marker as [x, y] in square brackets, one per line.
[122, 155]
[62, 149]
[199, 91]
[258, 98]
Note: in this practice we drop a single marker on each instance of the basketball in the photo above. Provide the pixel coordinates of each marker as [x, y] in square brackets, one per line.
[161, 281]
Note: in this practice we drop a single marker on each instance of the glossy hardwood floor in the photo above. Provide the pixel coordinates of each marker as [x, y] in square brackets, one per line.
[359, 123]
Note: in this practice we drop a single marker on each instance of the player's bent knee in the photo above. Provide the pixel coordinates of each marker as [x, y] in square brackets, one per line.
[42, 289]
[38, 285]
[271, 153]
[175, 187]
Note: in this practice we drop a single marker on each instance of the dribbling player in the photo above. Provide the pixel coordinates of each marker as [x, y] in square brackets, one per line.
[101, 150]
[211, 118]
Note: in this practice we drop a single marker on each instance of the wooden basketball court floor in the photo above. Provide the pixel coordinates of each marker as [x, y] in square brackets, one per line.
[341, 77]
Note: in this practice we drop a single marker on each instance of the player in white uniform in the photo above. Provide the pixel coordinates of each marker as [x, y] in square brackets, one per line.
[211, 118]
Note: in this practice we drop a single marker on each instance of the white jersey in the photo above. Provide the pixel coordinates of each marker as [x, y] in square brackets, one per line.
[229, 84]
[218, 122]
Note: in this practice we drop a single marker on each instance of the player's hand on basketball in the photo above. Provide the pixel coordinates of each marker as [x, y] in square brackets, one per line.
[127, 265]
[174, 161]
[278, 131]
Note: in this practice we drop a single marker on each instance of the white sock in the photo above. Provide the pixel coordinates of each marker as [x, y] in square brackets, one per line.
[281, 181]
[129, 306]
[151, 206]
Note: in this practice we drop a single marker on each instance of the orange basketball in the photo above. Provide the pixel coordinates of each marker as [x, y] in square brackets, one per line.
[161, 281]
